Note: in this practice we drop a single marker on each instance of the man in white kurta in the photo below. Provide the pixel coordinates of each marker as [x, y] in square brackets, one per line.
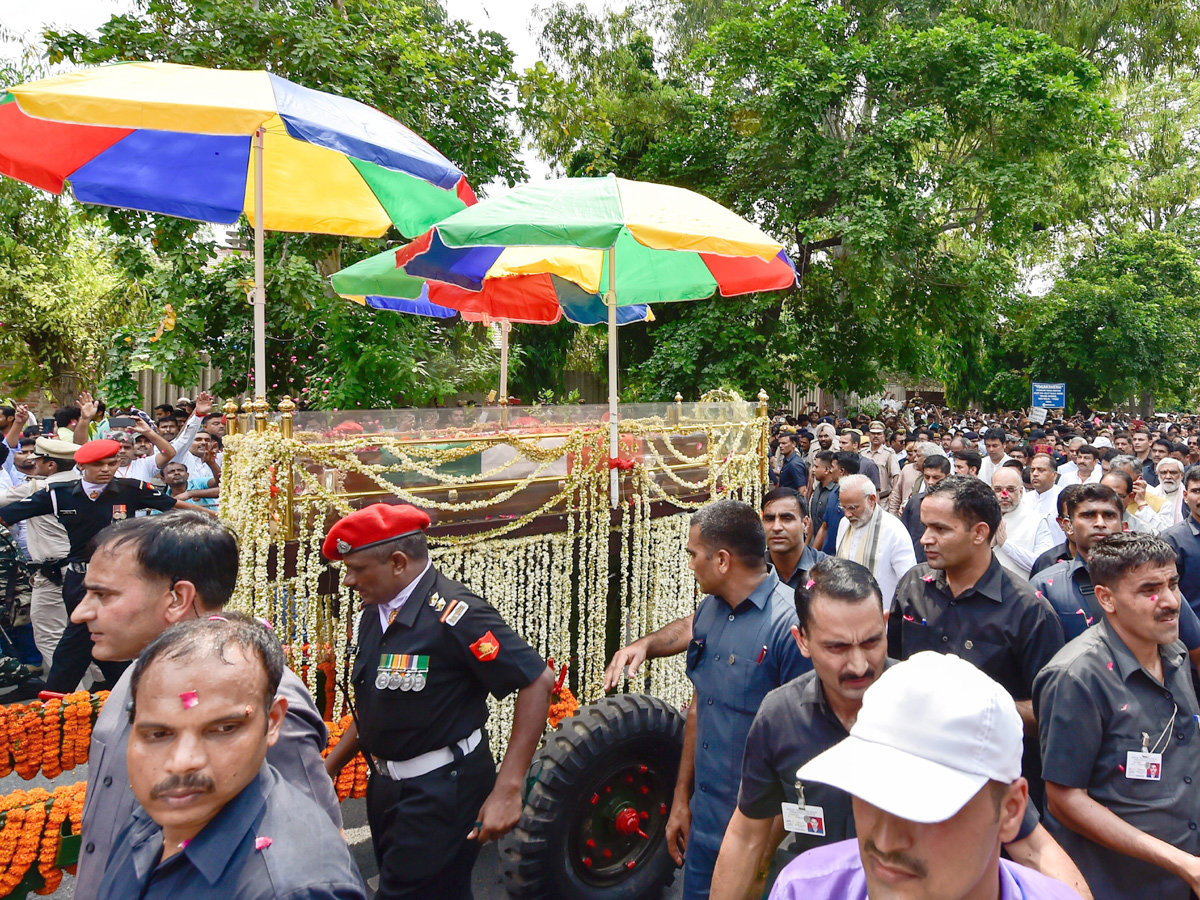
[870, 535]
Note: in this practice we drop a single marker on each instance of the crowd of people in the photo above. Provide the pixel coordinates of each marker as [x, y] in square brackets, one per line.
[1060, 559]
[952, 658]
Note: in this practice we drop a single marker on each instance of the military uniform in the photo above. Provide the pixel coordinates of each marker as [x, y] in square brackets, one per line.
[420, 690]
[83, 517]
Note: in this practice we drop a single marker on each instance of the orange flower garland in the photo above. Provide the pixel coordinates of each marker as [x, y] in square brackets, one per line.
[25, 735]
[52, 737]
[30, 841]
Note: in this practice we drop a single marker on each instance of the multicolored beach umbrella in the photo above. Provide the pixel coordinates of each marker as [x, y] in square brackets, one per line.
[631, 241]
[213, 145]
[523, 299]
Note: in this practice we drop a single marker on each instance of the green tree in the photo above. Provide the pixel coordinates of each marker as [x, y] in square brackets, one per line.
[910, 158]
[1119, 323]
[448, 82]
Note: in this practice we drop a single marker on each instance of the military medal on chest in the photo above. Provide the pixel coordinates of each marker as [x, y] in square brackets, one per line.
[119, 512]
[402, 672]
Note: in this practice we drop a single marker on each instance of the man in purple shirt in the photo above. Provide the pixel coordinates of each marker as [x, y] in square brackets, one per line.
[955, 736]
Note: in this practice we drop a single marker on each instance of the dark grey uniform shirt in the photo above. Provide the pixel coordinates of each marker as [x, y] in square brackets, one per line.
[999, 625]
[793, 725]
[1184, 539]
[110, 802]
[305, 857]
[1093, 703]
[1068, 586]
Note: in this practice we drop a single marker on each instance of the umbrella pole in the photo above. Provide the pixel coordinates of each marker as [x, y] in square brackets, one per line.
[260, 291]
[504, 329]
[610, 298]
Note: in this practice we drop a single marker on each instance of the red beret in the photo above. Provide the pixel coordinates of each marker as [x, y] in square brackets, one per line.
[371, 525]
[94, 451]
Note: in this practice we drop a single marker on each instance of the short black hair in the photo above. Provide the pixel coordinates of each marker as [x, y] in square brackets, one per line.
[1013, 463]
[1191, 476]
[973, 500]
[825, 456]
[937, 461]
[970, 457]
[836, 579]
[1090, 450]
[162, 419]
[211, 636]
[27, 441]
[994, 434]
[210, 417]
[8, 410]
[782, 493]
[734, 526]
[1162, 440]
[185, 545]
[1113, 556]
[1065, 496]
[65, 415]
[1093, 492]
[848, 462]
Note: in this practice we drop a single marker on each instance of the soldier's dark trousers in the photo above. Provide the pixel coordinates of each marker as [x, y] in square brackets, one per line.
[419, 828]
[74, 653]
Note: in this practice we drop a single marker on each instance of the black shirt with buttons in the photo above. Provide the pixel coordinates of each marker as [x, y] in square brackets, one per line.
[446, 650]
[1094, 702]
[81, 516]
[999, 624]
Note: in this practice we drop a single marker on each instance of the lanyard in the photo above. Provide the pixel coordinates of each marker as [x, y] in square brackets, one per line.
[1166, 733]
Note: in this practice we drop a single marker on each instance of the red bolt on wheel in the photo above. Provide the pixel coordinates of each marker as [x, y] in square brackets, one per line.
[631, 864]
[595, 799]
[607, 854]
[587, 861]
[662, 809]
[628, 822]
[645, 788]
[643, 769]
[589, 843]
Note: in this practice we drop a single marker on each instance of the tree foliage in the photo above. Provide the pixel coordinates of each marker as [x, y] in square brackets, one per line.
[908, 156]
[1116, 324]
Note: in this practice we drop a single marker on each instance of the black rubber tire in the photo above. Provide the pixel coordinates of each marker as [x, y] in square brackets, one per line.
[625, 730]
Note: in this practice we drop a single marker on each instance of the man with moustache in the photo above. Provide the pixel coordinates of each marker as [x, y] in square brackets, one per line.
[871, 536]
[843, 631]
[217, 821]
[1117, 716]
[933, 763]
[148, 574]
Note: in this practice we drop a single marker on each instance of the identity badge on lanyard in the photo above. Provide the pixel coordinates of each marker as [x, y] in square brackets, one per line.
[799, 818]
[1147, 765]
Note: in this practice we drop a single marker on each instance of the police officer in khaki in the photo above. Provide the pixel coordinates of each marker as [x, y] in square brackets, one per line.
[429, 652]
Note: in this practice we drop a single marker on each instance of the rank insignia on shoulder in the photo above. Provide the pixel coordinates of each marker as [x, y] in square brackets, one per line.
[454, 611]
[436, 603]
[486, 648]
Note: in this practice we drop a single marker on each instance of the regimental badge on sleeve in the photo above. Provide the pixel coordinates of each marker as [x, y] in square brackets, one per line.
[486, 648]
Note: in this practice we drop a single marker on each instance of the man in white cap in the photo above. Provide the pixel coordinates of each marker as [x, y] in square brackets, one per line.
[933, 764]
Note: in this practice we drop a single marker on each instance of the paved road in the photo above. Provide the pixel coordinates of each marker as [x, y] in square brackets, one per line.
[487, 881]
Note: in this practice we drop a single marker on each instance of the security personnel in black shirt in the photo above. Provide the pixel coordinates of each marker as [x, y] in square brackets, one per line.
[429, 652]
[85, 508]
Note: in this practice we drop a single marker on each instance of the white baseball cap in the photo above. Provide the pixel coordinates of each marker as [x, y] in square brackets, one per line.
[932, 731]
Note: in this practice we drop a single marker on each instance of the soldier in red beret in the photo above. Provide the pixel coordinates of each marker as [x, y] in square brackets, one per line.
[85, 507]
[429, 652]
